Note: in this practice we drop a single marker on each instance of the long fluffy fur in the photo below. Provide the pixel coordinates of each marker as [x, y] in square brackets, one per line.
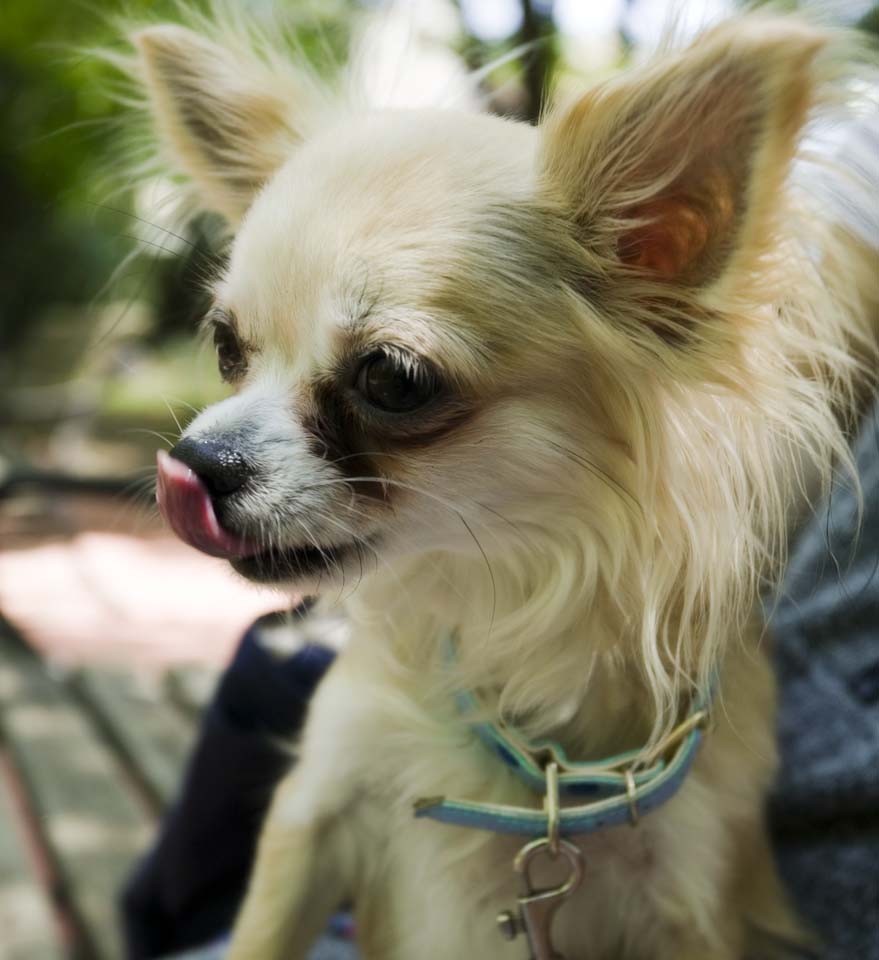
[599, 540]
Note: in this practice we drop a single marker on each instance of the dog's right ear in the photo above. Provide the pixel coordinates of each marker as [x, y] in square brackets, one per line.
[226, 119]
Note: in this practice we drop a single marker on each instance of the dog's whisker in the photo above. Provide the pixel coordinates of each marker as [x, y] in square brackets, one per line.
[490, 573]
[448, 504]
[168, 442]
[596, 471]
[183, 403]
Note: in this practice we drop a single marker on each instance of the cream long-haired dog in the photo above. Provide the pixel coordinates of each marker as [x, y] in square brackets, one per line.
[556, 392]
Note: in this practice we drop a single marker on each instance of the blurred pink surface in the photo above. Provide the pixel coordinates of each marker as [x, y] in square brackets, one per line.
[123, 597]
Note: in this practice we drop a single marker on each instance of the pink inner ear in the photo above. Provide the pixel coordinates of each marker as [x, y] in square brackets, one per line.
[671, 243]
[685, 234]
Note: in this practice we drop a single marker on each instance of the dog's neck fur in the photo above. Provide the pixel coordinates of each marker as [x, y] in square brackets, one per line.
[512, 646]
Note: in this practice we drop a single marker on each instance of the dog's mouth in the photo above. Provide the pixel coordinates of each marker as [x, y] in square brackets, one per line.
[187, 507]
[290, 563]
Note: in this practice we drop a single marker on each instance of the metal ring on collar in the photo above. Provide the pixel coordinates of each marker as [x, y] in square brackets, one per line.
[632, 796]
[551, 806]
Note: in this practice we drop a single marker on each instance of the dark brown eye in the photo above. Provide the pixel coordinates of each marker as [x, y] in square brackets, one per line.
[230, 355]
[396, 384]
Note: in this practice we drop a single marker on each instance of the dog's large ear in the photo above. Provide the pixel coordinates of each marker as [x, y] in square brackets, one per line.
[226, 119]
[671, 172]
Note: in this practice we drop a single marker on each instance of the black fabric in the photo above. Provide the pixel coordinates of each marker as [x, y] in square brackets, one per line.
[188, 889]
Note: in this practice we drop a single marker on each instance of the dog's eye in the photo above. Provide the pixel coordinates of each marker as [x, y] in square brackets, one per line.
[394, 385]
[230, 355]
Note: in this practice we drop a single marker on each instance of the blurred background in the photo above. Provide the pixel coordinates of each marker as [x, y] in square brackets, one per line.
[101, 291]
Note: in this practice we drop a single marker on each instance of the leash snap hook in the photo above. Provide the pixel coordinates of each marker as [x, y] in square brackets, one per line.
[537, 906]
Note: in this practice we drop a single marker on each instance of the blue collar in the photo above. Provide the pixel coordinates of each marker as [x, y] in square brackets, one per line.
[620, 788]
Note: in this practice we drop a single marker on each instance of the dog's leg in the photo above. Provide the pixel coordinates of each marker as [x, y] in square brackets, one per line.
[297, 882]
[309, 845]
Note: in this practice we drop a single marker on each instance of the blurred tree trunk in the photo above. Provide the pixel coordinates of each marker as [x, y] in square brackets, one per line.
[539, 59]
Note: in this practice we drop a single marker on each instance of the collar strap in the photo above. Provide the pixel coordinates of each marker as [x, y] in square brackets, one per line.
[621, 787]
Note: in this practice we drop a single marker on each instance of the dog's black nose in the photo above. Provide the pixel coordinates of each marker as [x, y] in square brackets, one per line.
[217, 463]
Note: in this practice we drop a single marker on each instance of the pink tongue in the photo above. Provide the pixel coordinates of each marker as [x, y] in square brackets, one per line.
[185, 504]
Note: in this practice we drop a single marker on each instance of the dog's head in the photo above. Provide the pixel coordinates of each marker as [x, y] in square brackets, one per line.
[449, 331]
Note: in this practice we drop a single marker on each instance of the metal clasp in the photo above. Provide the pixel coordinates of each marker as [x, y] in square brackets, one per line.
[537, 906]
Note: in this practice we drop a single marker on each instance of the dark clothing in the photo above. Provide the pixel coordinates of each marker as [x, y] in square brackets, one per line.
[188, 889]
[825, 813]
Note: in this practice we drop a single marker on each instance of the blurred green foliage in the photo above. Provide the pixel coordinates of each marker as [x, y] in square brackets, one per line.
[56, 133]
[63, 148]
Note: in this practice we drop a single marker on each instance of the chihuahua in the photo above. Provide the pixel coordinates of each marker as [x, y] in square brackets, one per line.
[538, 405]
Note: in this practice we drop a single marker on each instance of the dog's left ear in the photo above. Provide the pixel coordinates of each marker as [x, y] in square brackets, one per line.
[671, 173]
[226, 117]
